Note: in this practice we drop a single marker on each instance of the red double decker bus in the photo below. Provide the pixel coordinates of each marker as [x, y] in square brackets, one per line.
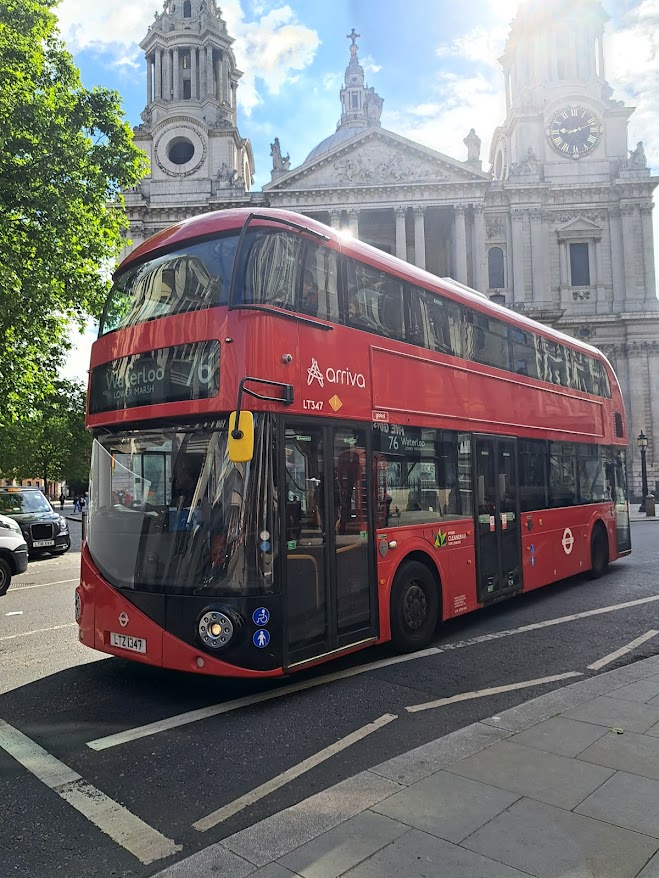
[303, 446]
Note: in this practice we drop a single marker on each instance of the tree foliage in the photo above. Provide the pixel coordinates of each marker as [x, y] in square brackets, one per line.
[50, 443]
[65, 153]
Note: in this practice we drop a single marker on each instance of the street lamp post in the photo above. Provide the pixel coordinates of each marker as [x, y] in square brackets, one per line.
[642, 442]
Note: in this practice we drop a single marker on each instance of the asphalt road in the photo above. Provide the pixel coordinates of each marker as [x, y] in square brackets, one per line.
[60, 696]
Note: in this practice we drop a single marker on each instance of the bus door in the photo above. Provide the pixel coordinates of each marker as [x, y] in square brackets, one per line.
[329, 565]
[498, 541]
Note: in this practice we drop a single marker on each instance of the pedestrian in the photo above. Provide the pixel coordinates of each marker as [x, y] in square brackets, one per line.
[61, 500]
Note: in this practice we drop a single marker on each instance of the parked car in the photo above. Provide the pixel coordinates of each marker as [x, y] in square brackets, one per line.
[13, 552]
[44, 529]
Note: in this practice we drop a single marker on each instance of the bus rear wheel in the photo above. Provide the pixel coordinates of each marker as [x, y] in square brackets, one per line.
[599, 552]
[414, 607]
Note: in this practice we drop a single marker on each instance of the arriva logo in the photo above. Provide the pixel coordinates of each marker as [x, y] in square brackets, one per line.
[334, 376]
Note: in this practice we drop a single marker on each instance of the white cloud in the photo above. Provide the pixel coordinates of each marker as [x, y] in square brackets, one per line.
[461, 103]
[85, 25]
[632, 68]
[272, 49]
[456, 102]
[370, 65]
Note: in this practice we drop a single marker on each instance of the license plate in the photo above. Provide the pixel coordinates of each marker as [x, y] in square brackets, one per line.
[125, 641]
[39, 544]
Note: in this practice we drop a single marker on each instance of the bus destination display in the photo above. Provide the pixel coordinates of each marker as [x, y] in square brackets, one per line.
[175, 374]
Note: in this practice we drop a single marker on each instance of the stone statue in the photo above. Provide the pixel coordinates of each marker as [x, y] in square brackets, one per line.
[279, 162]
[226, 176]
[473, 143]
[373, 106]
[636, 158]
[528, 165]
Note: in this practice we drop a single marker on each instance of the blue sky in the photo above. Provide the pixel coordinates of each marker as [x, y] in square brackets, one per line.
[434, 62]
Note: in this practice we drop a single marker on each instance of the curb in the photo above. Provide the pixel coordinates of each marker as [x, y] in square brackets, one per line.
[247, 851]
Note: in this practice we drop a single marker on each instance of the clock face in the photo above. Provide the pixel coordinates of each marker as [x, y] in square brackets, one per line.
[574, 131]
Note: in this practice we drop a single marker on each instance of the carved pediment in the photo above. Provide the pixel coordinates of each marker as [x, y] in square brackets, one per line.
[579, 227]
[376, 159]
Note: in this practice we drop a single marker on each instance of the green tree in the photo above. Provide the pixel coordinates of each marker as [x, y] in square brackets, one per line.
[50, 443]
[65, 154]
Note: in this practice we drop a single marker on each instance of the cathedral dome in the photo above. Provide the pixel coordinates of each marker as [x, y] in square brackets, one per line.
[334, 140]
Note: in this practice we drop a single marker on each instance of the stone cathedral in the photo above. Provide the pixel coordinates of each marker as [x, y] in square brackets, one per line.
[558, 225]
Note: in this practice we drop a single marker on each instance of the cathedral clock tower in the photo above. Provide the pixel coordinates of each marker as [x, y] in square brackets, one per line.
[198, 159]
[570, 211]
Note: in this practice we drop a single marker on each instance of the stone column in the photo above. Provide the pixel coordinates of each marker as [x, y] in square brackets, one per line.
[648, 253]
[401, 232]
[597, 279]
[149, 79]
[419, 237]
[538, 254]
[629, 248]
[517, 219]
[168, 76]
[193, 74]
[176, 74]
[209, 71]
[459, 220]
[478, 249]
[158, 74]
[562, 258]
[335, 219]
[617, 260]
[353, 222]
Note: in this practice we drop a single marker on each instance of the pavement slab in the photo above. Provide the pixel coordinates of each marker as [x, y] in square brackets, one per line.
[626, 800]
[546, 777]
[448, 806]
[345, 846]
[419, 855]
[635, 754]
[642, 690]
[550, 842]
[564, 737]
[615, 712]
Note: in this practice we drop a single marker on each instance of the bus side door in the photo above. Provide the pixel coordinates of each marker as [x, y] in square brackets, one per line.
[498, 532]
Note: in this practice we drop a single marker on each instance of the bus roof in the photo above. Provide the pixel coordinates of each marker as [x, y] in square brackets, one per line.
[235, 218]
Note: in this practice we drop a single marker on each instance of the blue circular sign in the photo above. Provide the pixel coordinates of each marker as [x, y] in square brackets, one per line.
[261, 638]
[261, 616]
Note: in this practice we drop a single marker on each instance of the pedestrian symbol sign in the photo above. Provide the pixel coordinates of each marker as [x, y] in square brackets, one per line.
[261, 616]
[261, 638]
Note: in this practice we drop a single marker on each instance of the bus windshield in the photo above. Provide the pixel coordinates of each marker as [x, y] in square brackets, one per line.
[191, 279]
[170, 513]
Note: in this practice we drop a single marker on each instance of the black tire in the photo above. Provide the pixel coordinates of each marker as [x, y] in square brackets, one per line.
[599, 552]
[414, 607]
[5, 576]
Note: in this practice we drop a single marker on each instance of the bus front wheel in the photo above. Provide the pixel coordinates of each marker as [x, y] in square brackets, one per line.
[5, 576]
[599, 552]
[414, 607]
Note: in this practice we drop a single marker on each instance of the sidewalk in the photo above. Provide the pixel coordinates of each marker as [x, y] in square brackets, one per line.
[563, 786]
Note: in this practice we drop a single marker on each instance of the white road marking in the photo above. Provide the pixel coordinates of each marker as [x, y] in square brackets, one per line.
[15, 613]
[38, 631]
[192, 716]
[123, 827]
[281, 780]
[611, 657]
[496, 690]
[43, 584]
[228, 706]
[548, 623]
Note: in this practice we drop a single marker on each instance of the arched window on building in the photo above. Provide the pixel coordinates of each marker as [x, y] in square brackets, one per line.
[495, 269]
[187, 9]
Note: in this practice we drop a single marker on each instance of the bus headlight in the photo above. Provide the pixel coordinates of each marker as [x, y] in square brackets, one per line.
[215, 629]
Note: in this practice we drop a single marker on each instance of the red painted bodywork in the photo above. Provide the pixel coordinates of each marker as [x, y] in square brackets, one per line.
[401, 384]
